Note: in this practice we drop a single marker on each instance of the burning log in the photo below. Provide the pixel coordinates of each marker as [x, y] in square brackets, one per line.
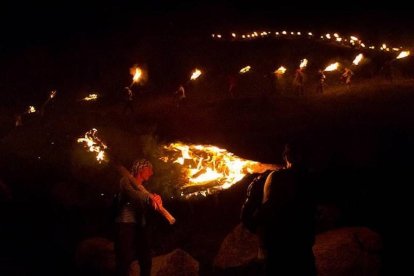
[94, 144]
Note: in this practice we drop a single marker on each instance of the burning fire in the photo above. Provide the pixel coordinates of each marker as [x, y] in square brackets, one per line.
[94, 144]
[245, 69]
[303, 63]
[52, 94]
[208, 168]
[31, 109]
[403, 54]
[332, 67]
[280, 71]
[136, 73]
[91, 97]
[195, 74]
[358, 59]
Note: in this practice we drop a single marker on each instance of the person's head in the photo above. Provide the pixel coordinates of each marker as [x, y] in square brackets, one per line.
[292, 154]
[142, 168]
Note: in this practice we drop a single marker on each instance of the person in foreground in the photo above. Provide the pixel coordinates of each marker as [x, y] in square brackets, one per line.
[286, 218]
[131, 239]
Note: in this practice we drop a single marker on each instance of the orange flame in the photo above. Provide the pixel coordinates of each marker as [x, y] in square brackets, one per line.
[136, 73]
[94, 144]
[303, 63]
[196, 73]
[280, 71]
[31, 109]
[91, 97]
[209, 168]
[332, 67]
[245, 69]
[403, 54]
[358, 59]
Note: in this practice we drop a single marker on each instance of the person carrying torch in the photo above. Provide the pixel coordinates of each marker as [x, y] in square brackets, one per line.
[131, 238]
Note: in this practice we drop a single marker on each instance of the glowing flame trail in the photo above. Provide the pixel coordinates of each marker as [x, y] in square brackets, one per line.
[94, 144]
[208, 168]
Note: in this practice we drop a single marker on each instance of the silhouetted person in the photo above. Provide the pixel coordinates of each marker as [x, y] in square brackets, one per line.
[129, 100]
[298, 82]
[286, 219]
[131, 241]
[321, 82]
[179, 95]
[347, 76]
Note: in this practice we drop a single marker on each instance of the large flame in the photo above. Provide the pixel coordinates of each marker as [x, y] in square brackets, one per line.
[208, 168]
[94, 144]
[332, 67]
[403, 54]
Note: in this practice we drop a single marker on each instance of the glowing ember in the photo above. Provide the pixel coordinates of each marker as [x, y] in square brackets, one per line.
[403, 54]
[358, 59]
[31, 109]
[94, 144]
[280, 71]
[303, 63]
[208, 168]
[332, 67]
[91, 97]
[245, 69]
[195, 74]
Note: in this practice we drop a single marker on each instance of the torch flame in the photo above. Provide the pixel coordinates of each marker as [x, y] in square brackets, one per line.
[52, 94]
[280, 71]
[303, 63]
[91, 97]
[358, 59]
[94, 144]
[403, 54]
[245, 69]
[136, 73]
[332, 67]
[196, 73]
[31, 109]
[208, 168]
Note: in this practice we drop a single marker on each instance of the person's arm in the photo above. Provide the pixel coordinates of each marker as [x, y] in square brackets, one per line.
[134, 193]
[266, 188]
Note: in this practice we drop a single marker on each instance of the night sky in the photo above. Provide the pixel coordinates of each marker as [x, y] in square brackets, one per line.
[24, 24]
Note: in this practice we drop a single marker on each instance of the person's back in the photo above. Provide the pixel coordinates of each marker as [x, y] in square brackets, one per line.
[287, 222]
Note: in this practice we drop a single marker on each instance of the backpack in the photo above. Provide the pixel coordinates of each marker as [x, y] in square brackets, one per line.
[253, 201]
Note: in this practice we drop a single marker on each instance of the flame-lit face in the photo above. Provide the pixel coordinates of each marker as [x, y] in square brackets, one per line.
[208, 168]
[145, 173]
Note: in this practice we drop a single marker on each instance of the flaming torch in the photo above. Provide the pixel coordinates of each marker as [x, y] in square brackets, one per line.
[303, 63]
[280, 71]
[208, 169]
[91, 97]
[403, 54]
[137, 74]
[51, 96]
[31, 109]
[358, 59]
[196, 73]
[94, 144]
[245, 69]
[332, 67]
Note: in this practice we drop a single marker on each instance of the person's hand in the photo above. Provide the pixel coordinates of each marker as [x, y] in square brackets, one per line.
[156, 201]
